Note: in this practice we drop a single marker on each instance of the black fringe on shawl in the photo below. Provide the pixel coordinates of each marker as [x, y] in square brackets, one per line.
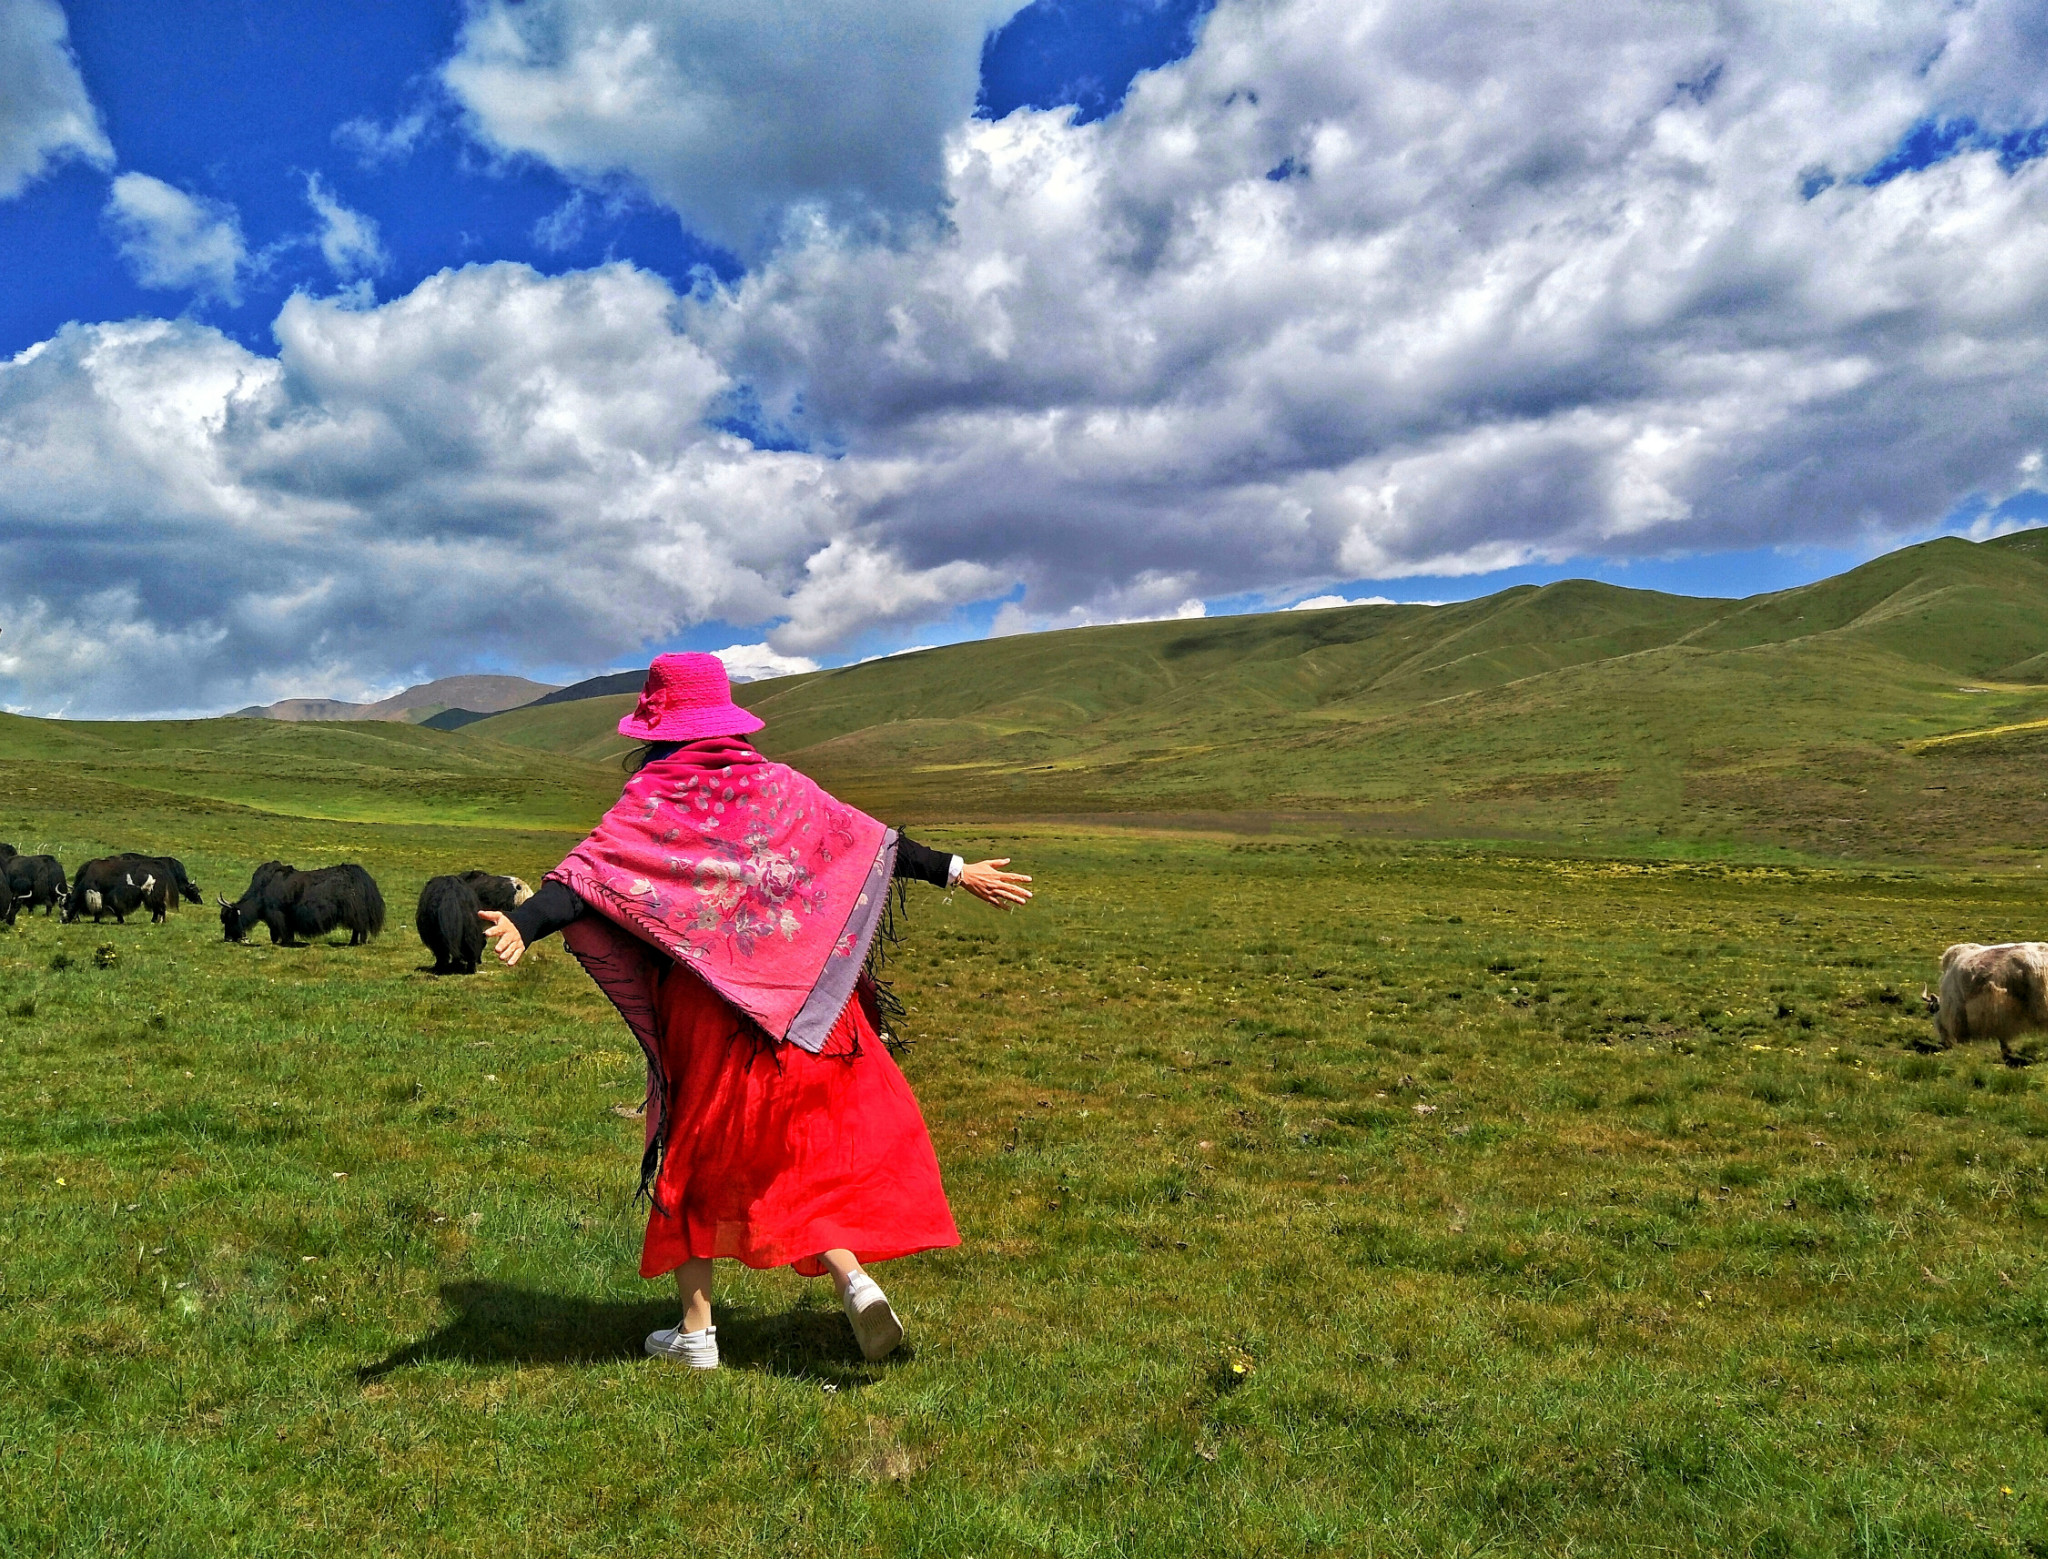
[659, 1088]
[650, 1168]
[888, 1008]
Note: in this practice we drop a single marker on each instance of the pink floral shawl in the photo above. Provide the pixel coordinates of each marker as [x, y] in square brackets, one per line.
[744, 872]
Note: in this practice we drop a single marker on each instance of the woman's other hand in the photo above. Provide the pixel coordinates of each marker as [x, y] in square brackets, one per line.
[499, 928]
[987, 880]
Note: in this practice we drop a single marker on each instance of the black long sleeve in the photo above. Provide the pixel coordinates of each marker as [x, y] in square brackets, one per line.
[923, 862]
[552, 908]
[556, 904]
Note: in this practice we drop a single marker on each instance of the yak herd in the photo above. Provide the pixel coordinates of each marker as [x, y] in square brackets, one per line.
[294, 906]
[1998, 992]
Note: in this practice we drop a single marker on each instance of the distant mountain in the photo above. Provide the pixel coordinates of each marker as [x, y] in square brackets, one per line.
[481, 695]
[303, 709]
[595, 687]
[590, 687]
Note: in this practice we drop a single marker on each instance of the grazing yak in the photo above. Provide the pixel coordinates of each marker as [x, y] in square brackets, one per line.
[297, 905]
[450, 926]
[8, 903]
[503, 894]
[171, 870]
[35, 880]
[1996, 993]
[118, 886]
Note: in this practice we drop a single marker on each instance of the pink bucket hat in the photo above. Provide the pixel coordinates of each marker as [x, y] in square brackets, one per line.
[687, 696]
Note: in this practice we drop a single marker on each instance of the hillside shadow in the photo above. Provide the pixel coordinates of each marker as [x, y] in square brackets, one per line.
[501, 1323]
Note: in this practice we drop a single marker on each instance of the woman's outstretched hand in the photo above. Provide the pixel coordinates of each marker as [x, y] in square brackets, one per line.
[987, 880]
[499, 928]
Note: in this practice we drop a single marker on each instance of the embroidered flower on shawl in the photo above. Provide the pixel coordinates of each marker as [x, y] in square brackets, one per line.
[719, 884]
[778, 875]
[757, 885]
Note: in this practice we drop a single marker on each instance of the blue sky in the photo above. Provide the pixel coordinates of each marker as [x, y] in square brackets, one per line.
[243, 102]
[352, 345]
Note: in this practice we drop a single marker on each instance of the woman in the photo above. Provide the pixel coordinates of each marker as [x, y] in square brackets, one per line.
[729, 908]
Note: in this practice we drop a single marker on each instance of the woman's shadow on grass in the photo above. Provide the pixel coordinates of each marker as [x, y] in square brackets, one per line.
[500, 1323]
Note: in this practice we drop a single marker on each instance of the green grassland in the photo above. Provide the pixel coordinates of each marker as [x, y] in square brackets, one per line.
[1319, 1197]
[1327, 1184]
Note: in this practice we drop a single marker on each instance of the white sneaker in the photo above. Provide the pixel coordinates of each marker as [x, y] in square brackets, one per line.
[699, 1350]
[875, 1326]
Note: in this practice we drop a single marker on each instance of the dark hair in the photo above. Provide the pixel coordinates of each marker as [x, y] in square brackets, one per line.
[646, 753]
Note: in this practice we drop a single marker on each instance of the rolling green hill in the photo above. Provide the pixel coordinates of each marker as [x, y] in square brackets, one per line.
[359, 771]
[1573, 710]
[586, 729]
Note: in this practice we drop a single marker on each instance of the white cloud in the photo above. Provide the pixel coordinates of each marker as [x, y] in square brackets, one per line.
[563, 227]
[757, 662]
[177, 241]
[731, 111]
[1324, 603]
[1515, 302]
[348, 240]
[1151, 597]
[850, 586]
[45, 112]
[497, 466]
[908, 649]
[376, 144]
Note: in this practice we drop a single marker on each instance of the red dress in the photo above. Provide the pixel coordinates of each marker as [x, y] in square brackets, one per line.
[775, 1155]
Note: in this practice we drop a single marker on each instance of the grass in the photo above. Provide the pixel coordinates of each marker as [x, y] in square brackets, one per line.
[1319, 1196]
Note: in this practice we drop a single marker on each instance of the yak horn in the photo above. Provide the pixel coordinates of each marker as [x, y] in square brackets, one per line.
[1933, 1002]
[224, 904]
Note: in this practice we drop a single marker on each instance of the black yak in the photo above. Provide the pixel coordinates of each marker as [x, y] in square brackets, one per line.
[153, 878]
[172, 870]
[503, 894]
[111, 886]
[450, 926]
[35, 880]
[296, 904]
[159, 891]
[8, 903]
